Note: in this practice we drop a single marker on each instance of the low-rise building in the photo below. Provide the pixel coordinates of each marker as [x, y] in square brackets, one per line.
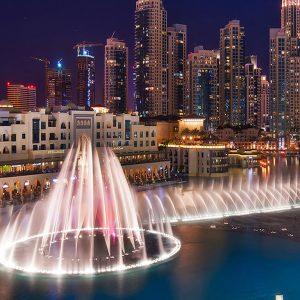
[198, 160]
[33, 146]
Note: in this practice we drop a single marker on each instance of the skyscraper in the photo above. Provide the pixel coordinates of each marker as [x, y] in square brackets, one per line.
[85, 78]
[253, 91]
[59, 81]
[294, 93]
[290, 18]
[151, 58]
[265, 104]
[116, 76]
[279, 78]
[22, 97]
[232, 74]
[202, 98]
[177, 54]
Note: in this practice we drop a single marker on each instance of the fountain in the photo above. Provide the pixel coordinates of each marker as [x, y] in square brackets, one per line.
[89, 224]
[223, 197]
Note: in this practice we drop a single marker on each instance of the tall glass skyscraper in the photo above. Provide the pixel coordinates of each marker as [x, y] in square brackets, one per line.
[59, 82]
[116, 76]
[85, 78]
[290, 17]
[177, 54]
[253, 91]
[202, 97]
[232, 74]
[151, 97]
[284, 73]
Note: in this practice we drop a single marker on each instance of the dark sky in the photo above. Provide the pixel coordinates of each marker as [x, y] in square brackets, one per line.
[49, 28]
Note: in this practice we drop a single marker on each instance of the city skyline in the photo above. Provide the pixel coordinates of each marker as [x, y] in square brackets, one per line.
[202, 30]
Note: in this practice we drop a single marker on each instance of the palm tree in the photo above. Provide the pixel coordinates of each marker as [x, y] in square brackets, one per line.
[185, 132]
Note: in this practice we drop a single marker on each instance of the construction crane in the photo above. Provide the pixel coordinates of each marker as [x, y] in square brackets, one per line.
[82, 46]
[46, 62]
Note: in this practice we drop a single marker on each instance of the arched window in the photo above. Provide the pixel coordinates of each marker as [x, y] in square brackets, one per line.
[63, 126]
[5, 150]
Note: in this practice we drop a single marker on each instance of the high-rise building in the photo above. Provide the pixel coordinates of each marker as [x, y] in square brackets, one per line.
[290, 18]
[202, 97]
[151, 58]
[177, 54]
[253, 91]
[294, 93]
[232, 74]
[22, 97]
[284, 60]
[265, 104]
[279, 65]
[116, 76]
[85, 78]
[59, 84]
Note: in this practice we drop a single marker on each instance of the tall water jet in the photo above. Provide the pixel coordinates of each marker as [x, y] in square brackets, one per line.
[89, 224]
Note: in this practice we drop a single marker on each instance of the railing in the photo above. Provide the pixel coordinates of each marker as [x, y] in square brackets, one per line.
[24, 173]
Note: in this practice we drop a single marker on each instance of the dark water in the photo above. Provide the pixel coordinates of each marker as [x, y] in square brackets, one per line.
[212, 265]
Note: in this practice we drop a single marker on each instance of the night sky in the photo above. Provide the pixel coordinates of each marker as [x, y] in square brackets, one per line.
[49, 28]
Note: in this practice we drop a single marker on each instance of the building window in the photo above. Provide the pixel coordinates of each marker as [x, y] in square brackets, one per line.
[119, 125]
[14, 149]
[13, 137]
[35, 147]
[23, 147]
[135, 135]
[23, 136]
[52, 137]
[152, 143]
[135, 144]
[63, 146]
[108, 135]
[98, 125]
[43, 147]
[127, 130]
[141, 134]
[52, 146]
[43, 125]
[98, 145]
[98, 136]
[43, 136]
[141, 144]
[35, 131]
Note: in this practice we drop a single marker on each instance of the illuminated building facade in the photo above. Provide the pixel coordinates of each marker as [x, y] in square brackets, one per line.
[151, 97]
[116, 76]
[22, 97]
[85, 78]
[59, 86]
[202, 98]
[290, 18]
[294, 93]
[232, 74]
[34, 145]
[284, 60]
[253, 92]
[199, 160]
[177, 53]
[265, 104]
